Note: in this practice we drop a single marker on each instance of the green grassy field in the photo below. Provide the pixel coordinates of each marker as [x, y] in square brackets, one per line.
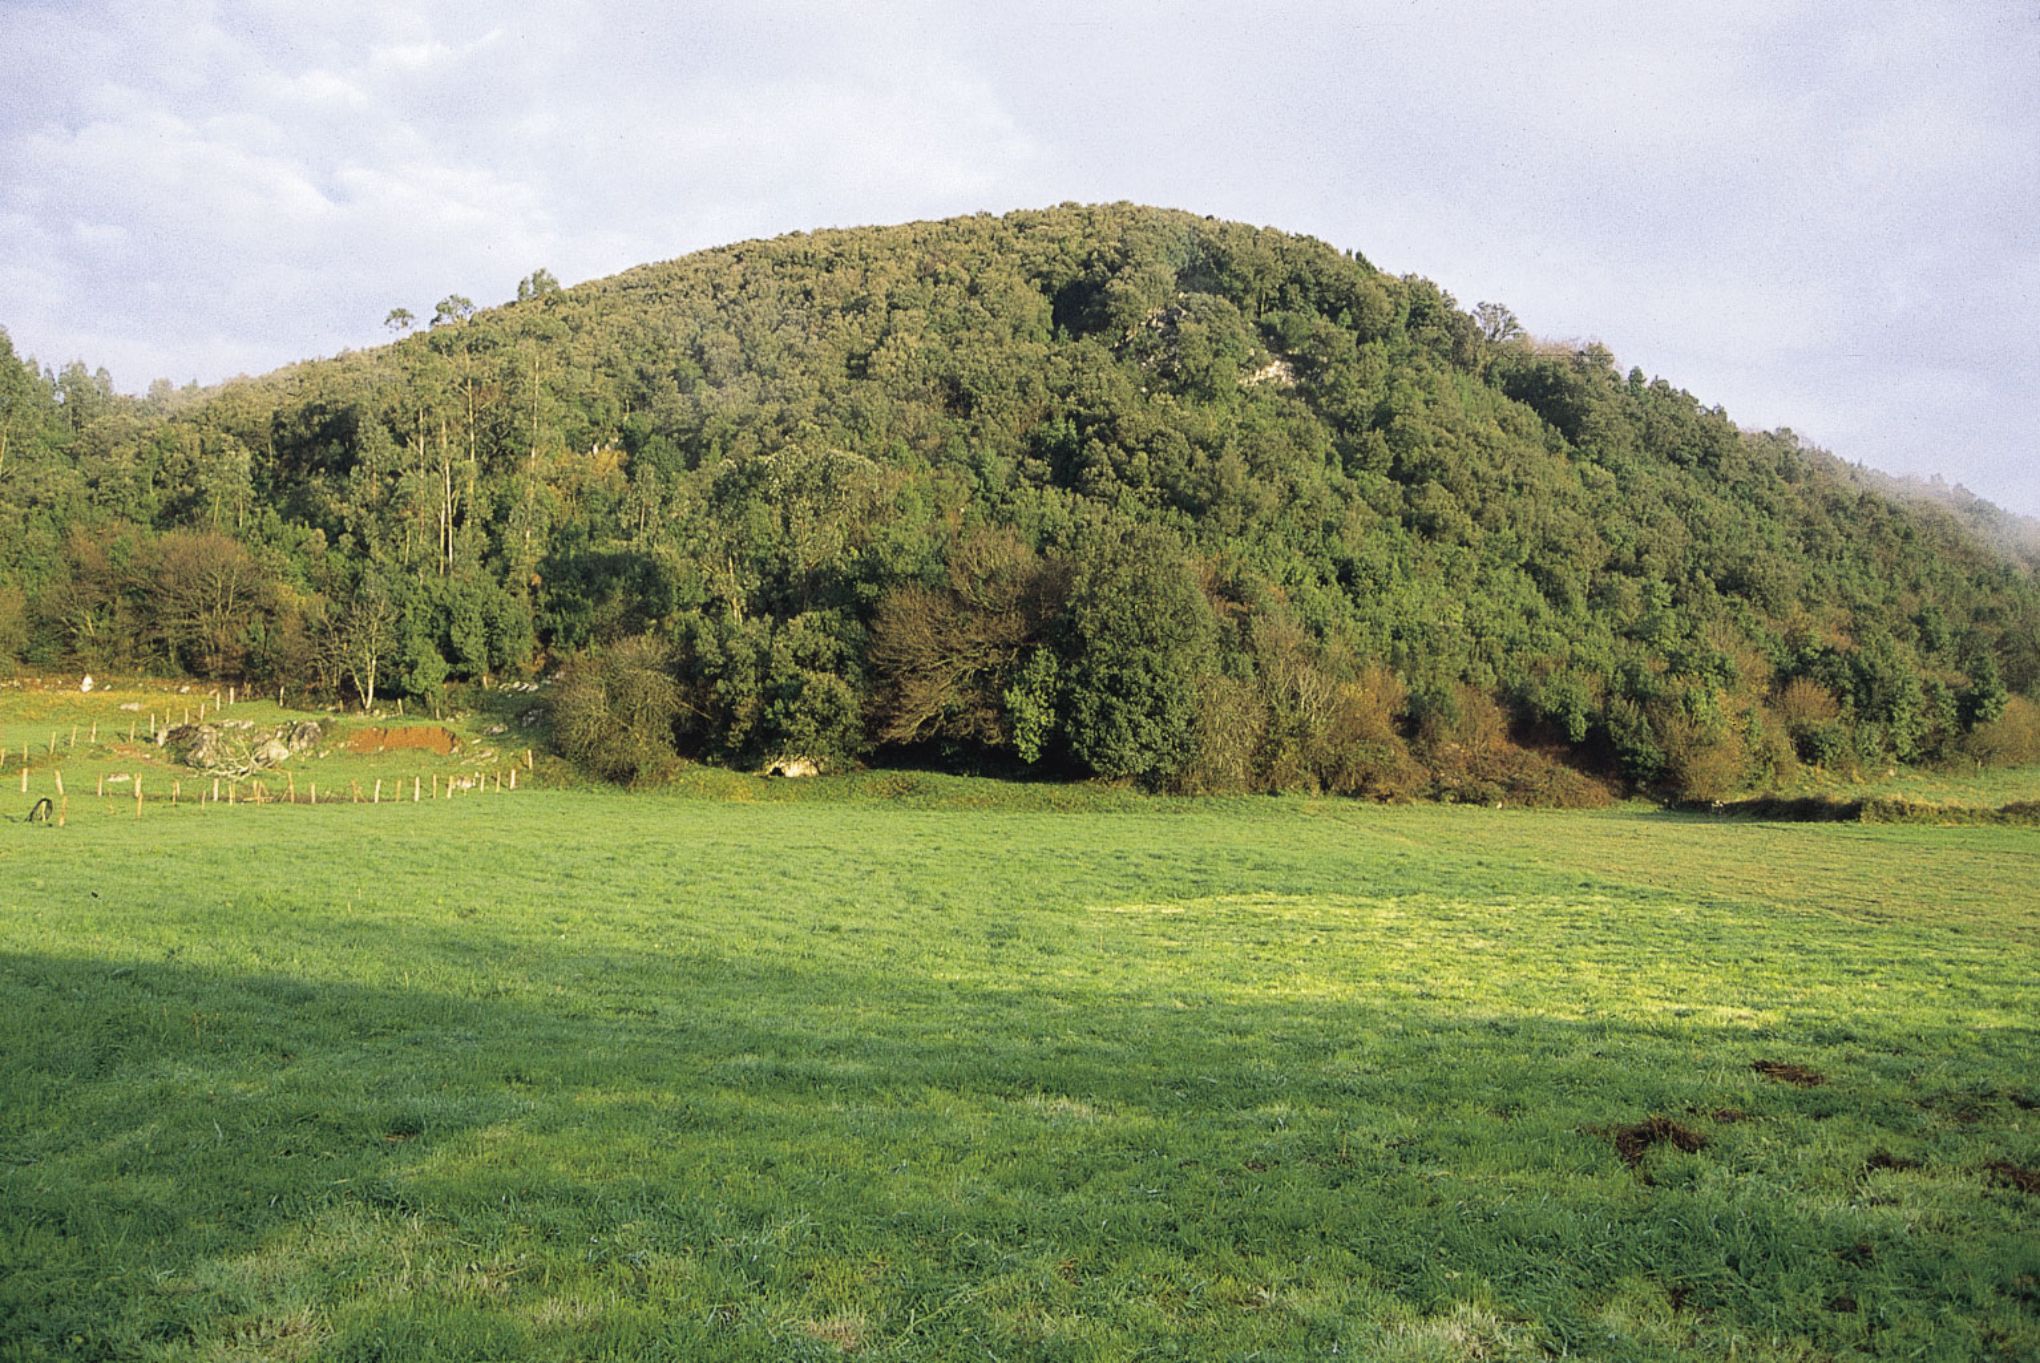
[579, 1075]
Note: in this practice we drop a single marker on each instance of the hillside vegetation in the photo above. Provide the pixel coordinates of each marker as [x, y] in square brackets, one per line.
[1091, 490]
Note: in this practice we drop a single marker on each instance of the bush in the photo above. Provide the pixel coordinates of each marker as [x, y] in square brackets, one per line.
[13, 626]
[1463, 737]
[615, 709]
[1705, 755]
[1813, 722]
[1226, 739]
[2010, 740]
[1365, 754]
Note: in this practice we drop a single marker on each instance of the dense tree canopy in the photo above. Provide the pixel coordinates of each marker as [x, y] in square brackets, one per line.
[1096, 489]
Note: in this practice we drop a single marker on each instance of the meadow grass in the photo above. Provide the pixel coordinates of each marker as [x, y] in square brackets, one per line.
[93, 748]
[1958, 783]
[923, 1068]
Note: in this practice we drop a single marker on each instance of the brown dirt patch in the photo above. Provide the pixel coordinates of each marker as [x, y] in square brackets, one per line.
[2004, 1171]
[1631, 1142]
[1884, 1159]
[1797, 1075]
[845, 1331]
[1842, 1305]
[430, 738]
[1728, 1116]
[1862, 1254]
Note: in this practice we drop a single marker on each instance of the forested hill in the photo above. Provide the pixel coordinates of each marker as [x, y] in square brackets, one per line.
[1105, 490]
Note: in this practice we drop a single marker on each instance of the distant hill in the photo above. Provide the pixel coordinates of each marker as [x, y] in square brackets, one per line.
[1098, 490]
[2016, 537]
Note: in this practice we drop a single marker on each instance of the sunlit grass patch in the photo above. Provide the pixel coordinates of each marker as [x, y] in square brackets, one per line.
[582, 1074]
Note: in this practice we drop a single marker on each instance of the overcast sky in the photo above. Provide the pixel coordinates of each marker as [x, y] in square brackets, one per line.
[1820, 215]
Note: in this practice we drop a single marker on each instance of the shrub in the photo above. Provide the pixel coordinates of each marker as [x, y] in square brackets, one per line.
[1365, 754]
[1226, 739]
[615, 708]
[2010, 740]
[1463, 736]
[1705, 755]
[1813, 722]
[13, 625]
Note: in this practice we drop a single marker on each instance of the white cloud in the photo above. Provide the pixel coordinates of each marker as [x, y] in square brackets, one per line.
[1814, 213]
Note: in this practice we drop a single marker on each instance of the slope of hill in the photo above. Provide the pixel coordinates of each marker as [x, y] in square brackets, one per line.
[1105, 490]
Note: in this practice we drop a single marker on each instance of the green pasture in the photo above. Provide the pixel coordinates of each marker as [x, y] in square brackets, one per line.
[94, 747]
[923, 1068]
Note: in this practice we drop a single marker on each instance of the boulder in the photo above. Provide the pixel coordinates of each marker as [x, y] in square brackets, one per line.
[236, 747]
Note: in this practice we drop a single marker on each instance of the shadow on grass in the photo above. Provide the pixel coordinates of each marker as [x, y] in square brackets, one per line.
[188, 1151]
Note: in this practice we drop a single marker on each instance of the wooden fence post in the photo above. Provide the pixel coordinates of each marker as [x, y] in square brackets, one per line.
[378, 791]
[60, 783]
[415, 784]
[176, 791]
[138, 797]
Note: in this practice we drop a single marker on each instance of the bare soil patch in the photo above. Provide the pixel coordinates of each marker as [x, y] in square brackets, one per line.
[430, 738]
[2018, 1176]
[1632, 1142]
[1799, 1076]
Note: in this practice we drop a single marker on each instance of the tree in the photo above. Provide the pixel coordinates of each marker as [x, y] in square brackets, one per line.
[364, 638]
[1983, 700]
[1138, 632]
[399, 321]
[209, 595]
[947, 656]
[538, 284]
[453, 310]
[1497, 323]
